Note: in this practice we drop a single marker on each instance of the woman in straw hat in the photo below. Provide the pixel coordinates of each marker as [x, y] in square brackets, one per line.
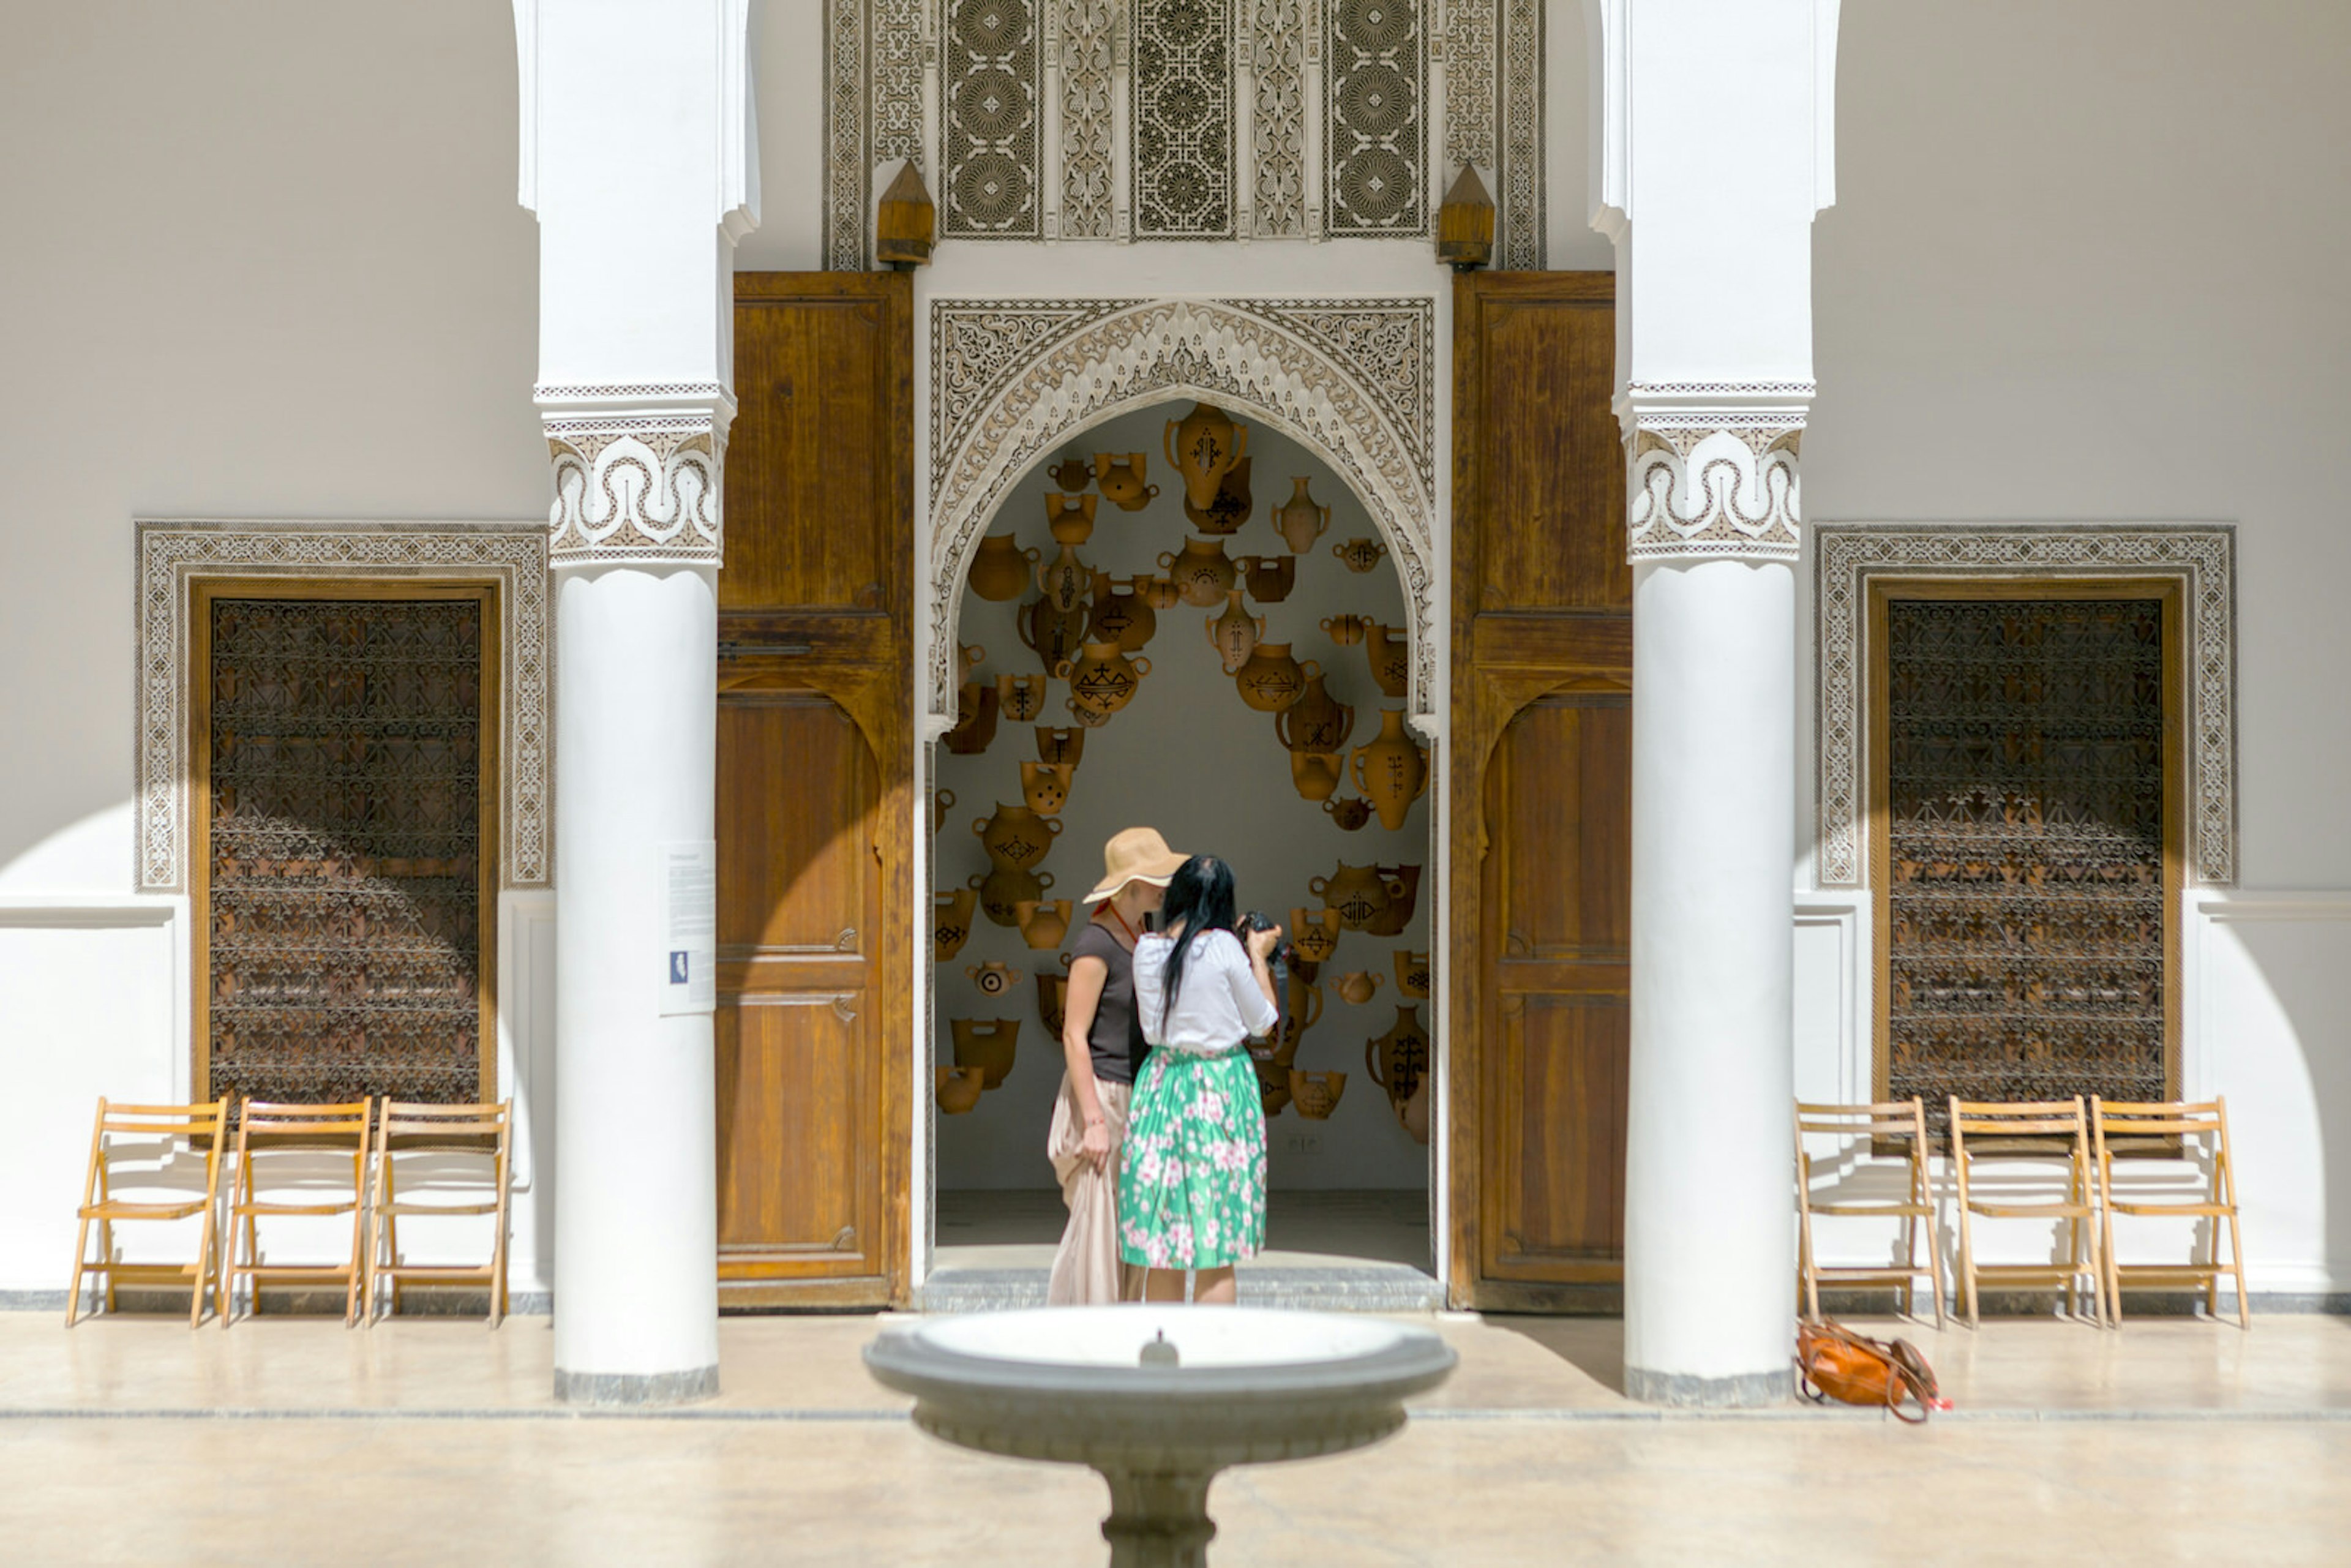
[1102, 1045]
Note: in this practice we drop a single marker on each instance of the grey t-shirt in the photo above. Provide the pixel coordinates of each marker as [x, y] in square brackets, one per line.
[1116, 1039]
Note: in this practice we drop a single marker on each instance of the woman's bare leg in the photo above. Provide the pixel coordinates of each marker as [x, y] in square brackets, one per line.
[1163, 1284]
[1214, 1287]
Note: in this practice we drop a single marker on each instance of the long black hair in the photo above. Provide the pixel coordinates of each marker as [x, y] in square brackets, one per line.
[1200, 899]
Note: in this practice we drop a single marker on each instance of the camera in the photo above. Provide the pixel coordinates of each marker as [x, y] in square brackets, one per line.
[1284, 956]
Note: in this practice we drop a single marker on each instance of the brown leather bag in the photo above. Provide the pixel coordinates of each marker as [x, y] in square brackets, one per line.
[1835, 1363]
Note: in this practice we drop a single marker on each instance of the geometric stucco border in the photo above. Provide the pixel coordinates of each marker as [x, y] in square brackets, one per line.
[174, 553]
[2201, 555]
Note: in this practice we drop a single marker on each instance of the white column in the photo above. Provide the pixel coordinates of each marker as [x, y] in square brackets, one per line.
[637, 160]
[1711, 148]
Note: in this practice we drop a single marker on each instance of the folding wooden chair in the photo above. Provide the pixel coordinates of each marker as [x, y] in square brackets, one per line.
[409, 1128]
[200, 1128]
[1898, 1120]
[2192, 1123]
[2042, 1129]
[270, 1131]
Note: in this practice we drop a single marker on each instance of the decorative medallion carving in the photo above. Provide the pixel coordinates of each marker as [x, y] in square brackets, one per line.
[1278, 108]
[1086, 118]
[988, 118]
[1376, 137]
[1182, 85]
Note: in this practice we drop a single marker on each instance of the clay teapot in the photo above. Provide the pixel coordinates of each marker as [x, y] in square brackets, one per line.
[1200, 572]
[1042, 923]
[1359, 554]
[1103, 679]
[1203, 446]
[1054, 634]
[1001, 892]
[1398, 1060]
[1390, 656]
[1315, 936]
[1045, 786]
[1317, 721]
[1316, 1095]
[1071, 473]
[1234, 633]
[1315, 774]
[957, 1088]
[1230, 509]
[1125, 619]
[1412, 972]
[1391, 771]
[975, 724]
[1268, 578]
[1019, 697]
[1121, 480]
[1069, 519]
[1272, 680]
[942, 802]
[1016, 838]
[1062, 747]
[1356, 988]
[1346, 630]
[1349, 814]
[999, 567]
[992, 978]
[1404, 896]
[1063, 580]
[951, 922]
[1299, 520]
[987, 1045]
[1160, 591]
[1358, 893]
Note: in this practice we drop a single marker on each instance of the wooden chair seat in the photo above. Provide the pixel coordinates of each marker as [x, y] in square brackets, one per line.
[2119, 1125]
[1902, 1121]
[266, 1130]
[408, 1127]
[199, 1129]
[2039, 1129]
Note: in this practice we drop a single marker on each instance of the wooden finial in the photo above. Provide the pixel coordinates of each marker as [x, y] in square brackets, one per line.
[902, 232]
[1465, 224]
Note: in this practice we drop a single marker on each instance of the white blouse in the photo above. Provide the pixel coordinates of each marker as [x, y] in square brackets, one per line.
[1220, 1005]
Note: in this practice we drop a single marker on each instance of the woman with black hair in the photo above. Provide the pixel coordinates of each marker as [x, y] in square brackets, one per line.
[1192, 1181]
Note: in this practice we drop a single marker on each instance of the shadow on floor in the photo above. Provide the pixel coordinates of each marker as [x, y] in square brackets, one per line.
[1594, 1346]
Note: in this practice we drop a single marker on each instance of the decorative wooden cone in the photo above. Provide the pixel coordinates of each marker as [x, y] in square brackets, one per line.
[905, 220]
[1465, 224]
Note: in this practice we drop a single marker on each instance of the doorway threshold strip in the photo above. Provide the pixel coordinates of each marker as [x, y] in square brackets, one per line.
[1454, 1416]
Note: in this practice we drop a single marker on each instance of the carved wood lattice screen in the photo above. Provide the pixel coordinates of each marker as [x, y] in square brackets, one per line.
[344, 848]
[2026, 850]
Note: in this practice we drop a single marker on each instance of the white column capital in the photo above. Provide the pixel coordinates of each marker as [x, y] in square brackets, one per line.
[1713, 469]
[637, 472]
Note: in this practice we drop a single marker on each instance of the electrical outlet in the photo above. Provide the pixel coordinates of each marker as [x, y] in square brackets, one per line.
[1305, 1143]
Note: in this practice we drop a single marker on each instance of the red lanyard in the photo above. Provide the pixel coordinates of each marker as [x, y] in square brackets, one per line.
[1130, 938]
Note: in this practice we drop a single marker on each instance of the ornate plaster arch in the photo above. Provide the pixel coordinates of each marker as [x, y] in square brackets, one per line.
[1352, 379]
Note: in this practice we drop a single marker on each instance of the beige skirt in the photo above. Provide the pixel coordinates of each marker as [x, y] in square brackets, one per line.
[1086, 1269]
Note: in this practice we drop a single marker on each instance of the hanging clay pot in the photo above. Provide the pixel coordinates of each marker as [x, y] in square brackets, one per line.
[1299, 520]
[1273, 1088]
[1357, 892]
[988, 1045]
[1063, 580]
[1391, 655]
[1054, 1003]
[1062, 747]
[957, 1088]
[1415, 1112]
[1303, 1002]
[1346, 630]
[1019, 697]
[1412, 973]
[1200, 572]
[951, 922]
[969, 660]
[1054, 634]
[1016, 838]
[1315, 936]
[1391, 771]
[1268, 578]
[1042, 923]
[1069, 519]
[1120, 618]
[975, 719]
[1349, 814]
[1088, 717]
[1316, 1095]
[1001, 890]
[1072, 474]
[1315, 774]
[999, 567]
[1398, 1060]
[1271, 680]
[1234, 633]
[1203, 446]
[1359, 554]
[1102, 679]
[1230, 509]
[1317, 721]
[1160, 591]
[1404, 896]
[942, 802]
[1356, 988]
[1121, 480]
[1046, 785]
[993, 978]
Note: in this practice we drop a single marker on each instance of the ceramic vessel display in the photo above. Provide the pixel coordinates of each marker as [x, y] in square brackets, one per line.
[1359, 554]
[1160, 591]
[1063, 580]
[1042, 923]
[1315, 774]
[1000, 568]
[1125, 619]
[957, 1089]
[1203, 447]
[1358, 893]
[1398, 1060]
[1104, 678]
[1404, 895]
[1234, 633]
[1316, 1095]
[1053, 1003]
[1020, 698]
[1301, 1008]
[1412, 973]
[1062, 747]
[1230, 509]
[1317, 721]
[942, 802]
[1391, 771]
[1390, 652]
[975, 719]
[1355, 989]
[1414, 1113]
[1268, 578]
[1120, 479]
[1200, 572]
[1346, 630]
[1016, 838]
[951, 922]
[993, 978]
[1053, 633]
[1315, 934]
[1273, 1087]
[1069, 519]
[986, 1044]
[1071, 474]
[1350, 814]
[1272, 680]
[1005, 889]
[1299, 520]
[1045, 785]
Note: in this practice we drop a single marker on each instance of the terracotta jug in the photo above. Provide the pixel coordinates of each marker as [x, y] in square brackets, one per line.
[1404, 896]
[1391, 771]
[1346, 630]
[951, 922]
[1299, 520]
[1016, 838]
[1349, 814]
[1125, 619]
[1160, 591]
[1063, 746]
[1203, 446]
[1315, 774]
[1019, 697]
[1317, 721]
[1234, 633]
[1391, 655]
[1357, 892]
[1003, 889]
[1072, 474]
[988, 1045]
[969, 659]
[1273, 1088]
[1063, 580]
[1042, 923]
[957, 1088]
[1045, 786]
[1316, 935]
[942, 802]
[1412, 973]
[1356, 988]
[1121, 480]
[1398, 1060]
[975, 719]
[1053, 1003]
[1302, 1002]
[1230, 509]
[1200, 572]
[1102, 679]
[999, 567]
[992, 978]
[1414, 1115]
[1069, 519]
[1316, 1095]
[1272, 680]
[1268, 578]
[1088, 717]
[1359, 554]
[1054, 634]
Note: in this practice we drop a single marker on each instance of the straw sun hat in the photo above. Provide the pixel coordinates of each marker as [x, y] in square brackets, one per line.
[1138, 854]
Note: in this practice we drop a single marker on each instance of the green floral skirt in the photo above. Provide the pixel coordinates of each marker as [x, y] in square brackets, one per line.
[1191, 1190]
